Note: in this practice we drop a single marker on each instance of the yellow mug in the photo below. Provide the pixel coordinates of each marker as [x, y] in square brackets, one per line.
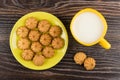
[89, 27]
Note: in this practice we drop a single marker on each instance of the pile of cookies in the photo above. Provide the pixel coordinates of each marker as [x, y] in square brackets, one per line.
[39, 40]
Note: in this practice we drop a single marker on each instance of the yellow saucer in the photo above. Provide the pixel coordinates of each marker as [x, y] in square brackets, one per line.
[59, 54]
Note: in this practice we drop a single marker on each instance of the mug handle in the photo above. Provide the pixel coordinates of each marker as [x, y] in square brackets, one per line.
[105, 44]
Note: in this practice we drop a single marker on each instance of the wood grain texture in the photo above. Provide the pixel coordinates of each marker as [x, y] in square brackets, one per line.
[108, 61]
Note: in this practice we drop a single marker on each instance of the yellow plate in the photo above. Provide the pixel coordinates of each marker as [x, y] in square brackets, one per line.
[58, 53]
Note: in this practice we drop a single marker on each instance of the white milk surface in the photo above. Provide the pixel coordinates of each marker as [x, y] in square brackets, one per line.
[88, 27]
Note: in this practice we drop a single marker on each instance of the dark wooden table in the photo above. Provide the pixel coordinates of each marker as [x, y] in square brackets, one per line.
[108, 61]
